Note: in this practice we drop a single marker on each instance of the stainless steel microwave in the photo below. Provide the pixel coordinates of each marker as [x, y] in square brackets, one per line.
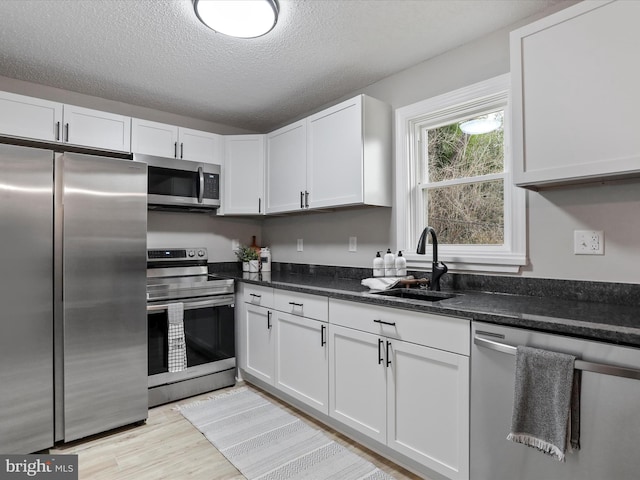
[181, 184]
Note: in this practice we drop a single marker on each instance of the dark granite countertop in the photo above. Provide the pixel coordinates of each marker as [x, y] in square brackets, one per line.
[609, 322]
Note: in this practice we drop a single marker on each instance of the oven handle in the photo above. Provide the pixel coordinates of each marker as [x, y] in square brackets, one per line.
[225, 301]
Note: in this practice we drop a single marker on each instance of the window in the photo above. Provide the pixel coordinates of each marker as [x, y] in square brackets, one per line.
[460, 183]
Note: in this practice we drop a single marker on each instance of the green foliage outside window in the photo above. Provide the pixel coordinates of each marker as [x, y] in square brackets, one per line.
[469, 212]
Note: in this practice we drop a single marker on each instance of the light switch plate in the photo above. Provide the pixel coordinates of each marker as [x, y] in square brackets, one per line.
[300, 245]
[588, 242]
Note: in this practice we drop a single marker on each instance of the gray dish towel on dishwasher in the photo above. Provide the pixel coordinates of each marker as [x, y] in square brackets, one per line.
[546, 402]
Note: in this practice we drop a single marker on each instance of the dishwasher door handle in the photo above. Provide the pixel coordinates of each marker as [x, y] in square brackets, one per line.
[579, 364]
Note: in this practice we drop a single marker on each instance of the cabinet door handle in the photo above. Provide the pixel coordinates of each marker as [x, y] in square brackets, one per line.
[393, 324]
[306, 199]
[380, 359]
[175, 149]
[269, 320]
[296, 304]
[301, 199]
[181, 150]
[259, 205]
[255, 296]
[66, 127]
[322, 339]
[57, 131]
[388, 356]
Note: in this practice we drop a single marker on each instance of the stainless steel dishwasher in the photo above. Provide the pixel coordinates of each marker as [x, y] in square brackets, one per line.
[610, 409]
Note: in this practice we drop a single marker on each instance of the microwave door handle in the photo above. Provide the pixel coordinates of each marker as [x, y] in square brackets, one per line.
[201, 180]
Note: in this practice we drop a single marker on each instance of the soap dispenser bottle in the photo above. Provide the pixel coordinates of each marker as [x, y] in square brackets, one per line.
[389, 264]
[401, 265]
[378, 266]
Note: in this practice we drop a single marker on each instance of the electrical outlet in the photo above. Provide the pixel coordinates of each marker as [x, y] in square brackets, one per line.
[299, 244]
[235, 244]
[353, 244]
[588, 242]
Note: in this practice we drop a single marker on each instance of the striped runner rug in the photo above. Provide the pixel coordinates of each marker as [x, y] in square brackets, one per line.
[265, 442]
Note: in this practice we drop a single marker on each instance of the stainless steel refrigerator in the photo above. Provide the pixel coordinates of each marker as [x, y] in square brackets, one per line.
[73, 358]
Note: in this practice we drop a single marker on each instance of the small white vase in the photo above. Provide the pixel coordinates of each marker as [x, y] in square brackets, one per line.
[245, 266]
[254, 266]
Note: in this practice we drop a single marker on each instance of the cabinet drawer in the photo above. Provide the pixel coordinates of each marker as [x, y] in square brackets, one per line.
[302, 304]
[436, 331]
[257, 295]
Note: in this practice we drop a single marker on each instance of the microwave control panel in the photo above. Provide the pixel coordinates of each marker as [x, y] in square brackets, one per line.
[212, 186]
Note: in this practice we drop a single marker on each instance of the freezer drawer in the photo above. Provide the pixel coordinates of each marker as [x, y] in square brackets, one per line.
[610, 419]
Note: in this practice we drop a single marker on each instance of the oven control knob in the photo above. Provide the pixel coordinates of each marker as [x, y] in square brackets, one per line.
[201, 253]
[191, 253]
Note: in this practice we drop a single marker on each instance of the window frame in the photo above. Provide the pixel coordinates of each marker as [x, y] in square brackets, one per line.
[444, 109]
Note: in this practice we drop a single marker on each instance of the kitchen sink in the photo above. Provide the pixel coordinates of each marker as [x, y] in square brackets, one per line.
[416, 294]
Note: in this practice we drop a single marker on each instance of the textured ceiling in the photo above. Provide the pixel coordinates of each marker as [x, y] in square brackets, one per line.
[156, 54]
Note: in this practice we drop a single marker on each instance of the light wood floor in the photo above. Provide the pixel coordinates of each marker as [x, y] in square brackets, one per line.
[169, 447]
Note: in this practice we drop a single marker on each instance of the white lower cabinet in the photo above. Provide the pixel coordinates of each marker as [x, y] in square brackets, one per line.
[260, 343]
[358, 381]
[398, 377]
[413, 398]
[428, 407]
[286, 349]
[302, 359]
[259, 332]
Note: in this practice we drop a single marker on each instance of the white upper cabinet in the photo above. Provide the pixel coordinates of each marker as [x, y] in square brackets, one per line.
[348, 154]
[38, 119]
[244, 174]
[338, 157]
[575, 95]
[199, 146]
[153, 138]
[93, 128]
[29, 117]
[163, 140]
[287, 168]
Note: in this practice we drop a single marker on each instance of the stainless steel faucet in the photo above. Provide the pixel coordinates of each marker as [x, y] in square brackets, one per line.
[438, 269]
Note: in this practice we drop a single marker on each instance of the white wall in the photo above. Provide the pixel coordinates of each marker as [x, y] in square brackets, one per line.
[326, 235]
[554, 215]
[176, 229]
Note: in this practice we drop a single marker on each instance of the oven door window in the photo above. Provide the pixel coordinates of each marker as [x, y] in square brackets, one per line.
[209, 333]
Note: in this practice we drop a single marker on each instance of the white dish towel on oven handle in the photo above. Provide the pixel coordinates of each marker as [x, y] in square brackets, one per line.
[177, 353]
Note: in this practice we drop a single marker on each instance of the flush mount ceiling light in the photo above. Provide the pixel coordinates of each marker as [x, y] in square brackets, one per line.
[238, 18]
[483, 124]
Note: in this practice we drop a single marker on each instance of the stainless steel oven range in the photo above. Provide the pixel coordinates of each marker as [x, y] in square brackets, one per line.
[178, 281]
